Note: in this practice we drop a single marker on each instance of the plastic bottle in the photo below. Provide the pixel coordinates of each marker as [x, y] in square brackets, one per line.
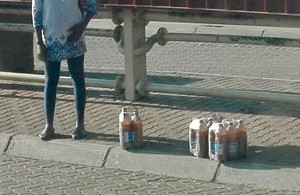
[211, 141]
[137, 128]
[202, 140]
[126, 135]
[242, 137]
[220, 143]
[233, 142]
[193, 128]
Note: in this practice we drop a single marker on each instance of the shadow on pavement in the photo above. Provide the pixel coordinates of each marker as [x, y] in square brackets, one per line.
[192, 103]
[212, 104]
[168, 80]
[152, 145]
[273, 157]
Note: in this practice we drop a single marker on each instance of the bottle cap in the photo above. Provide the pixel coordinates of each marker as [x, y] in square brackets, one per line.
[202, 124]
[220, 128]
[230, 126]
[195, 124]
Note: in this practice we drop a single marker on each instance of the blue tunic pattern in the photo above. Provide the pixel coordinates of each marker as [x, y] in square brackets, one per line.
[55, 17]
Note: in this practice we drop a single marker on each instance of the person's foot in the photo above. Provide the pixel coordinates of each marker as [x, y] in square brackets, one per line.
[79, 133]
[47, 133]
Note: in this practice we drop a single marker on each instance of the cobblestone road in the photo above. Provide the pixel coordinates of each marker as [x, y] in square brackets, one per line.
[28, 176]
[208, 58]
[273, 128]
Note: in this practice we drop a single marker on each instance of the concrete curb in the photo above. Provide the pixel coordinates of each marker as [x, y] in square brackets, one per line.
[160, 163]
[262, 176]
[58, 150]
[163, 164]
[4, 142]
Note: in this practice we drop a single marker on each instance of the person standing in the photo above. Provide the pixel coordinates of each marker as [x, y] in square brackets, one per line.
[59, 26]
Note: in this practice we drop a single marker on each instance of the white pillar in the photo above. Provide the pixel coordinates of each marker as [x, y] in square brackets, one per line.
[135, 66]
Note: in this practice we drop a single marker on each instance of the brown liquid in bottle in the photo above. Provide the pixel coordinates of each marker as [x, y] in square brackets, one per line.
[211, 144]
[220, 144]
[126, 135]
[242, 137]
[202, 140]
[233, 142]
[137, 127]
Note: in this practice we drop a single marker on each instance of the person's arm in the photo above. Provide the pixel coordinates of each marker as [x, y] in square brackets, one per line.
[92, 6]
[87, 19]
[41, 48]
[38, 35]
[37, 21]
[78, 29]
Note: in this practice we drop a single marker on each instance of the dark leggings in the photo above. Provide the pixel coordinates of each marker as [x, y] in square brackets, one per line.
[52, 72]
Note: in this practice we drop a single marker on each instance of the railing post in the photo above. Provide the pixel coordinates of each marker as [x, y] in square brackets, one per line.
[135, 66]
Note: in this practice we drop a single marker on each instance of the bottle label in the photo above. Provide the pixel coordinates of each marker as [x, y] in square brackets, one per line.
[233, 147]
[193, 143]
[212, 148]
[219, 149]
[129, 136]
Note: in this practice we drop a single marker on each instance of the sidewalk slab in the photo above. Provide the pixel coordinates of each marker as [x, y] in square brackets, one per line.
[162, 164]
[4, 141]
[261, 176]
[58, 150]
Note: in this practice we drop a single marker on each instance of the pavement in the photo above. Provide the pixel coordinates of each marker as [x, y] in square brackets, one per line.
[32, 176]
[273, 162]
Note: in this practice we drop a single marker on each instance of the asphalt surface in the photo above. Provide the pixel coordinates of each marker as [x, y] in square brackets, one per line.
[274, 147]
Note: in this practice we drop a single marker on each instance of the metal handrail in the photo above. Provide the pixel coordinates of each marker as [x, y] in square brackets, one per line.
[208, 16]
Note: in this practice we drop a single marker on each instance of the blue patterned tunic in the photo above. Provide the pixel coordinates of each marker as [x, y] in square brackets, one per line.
[55, 17]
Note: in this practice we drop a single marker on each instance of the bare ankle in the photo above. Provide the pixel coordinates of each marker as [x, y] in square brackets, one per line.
[49, 126]
[80, 126]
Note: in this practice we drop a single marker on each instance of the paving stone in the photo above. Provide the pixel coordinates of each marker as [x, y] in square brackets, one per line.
[71, 191]
[89, 192]
[20, 191]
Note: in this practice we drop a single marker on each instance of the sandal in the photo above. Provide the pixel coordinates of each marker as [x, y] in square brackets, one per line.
[79, 134]
[47, 134]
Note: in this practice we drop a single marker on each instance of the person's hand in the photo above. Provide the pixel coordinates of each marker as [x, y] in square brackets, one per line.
[41, 51]
[76, 32]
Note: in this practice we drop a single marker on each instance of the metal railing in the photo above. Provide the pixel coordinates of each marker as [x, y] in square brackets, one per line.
[136, 20]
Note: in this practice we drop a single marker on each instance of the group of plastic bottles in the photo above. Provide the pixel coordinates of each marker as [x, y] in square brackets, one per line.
[130, 129]
[218, 138]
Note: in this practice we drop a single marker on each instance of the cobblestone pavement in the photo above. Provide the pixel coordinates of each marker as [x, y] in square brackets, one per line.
[273, 128]
[28, 176]
[209, 58]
